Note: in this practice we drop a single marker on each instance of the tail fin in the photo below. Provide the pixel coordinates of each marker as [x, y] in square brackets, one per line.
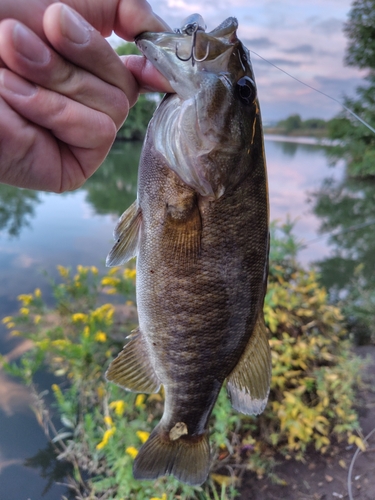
[187, 458]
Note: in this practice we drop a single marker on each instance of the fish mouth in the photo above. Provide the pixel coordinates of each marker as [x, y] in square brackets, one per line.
[176, 53]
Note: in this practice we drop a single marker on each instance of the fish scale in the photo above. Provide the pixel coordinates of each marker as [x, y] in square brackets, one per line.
[199, 229]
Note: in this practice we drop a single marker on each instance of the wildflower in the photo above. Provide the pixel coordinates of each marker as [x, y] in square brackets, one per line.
[11, 325]
[100, 390]
[106, 437]
[130, 274]
[108, 421]
[79, 317]
[94, 270]
[7, 319]
[133, 452]
[37, 292]
[37, 319]
[109, 280]
[143, 436]
[24, 310]
[100, 337]
[129, 302]
[15, 333]
[86, 332]
[63, 271]
[139, 400]
[26, 299]
[110, 291]
[118, 406]
[163, 497]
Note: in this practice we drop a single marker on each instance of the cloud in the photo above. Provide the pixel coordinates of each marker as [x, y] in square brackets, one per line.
[260, 43]
[328, 27]
[300, 49]
[13, 397]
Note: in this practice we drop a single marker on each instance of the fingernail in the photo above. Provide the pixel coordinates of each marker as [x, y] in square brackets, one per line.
[29, 46]
[74, 27]
[15, 84]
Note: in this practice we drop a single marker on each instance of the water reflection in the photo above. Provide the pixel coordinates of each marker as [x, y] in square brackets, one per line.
[17, 208]
[114, 186]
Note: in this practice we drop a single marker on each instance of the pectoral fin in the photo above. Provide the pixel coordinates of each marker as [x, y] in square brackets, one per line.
[183, 231]
[248, 385]
[132, 369]
[126, 234]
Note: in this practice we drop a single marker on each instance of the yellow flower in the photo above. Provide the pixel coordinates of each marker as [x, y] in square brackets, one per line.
[24, 310]
[108, 421]
[64, 271]
[130, 274]
[133, 452]
[129, 302]
[143, 436]
[163, 497]
[15, 333]
[106, 437]
[7, 319]
[100, 337]
[79, 317]
[37, 292]
[110, 291]
[110, 280]
[26, 299]
[11, 325]
[94, 270]
[139, 400]
[100, 390]
[37, 319]
[86, 332]
[119, 407]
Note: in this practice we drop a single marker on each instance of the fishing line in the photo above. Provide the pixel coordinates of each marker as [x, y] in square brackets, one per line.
[319, 91]
[339, 233]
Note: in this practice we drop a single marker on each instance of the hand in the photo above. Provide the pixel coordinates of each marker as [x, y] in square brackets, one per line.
[63, 91]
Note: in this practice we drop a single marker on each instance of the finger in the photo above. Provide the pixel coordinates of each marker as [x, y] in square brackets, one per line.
[20, 161]
[148, 77]
[81, 44]
[89, 132]
[135, 17]
[29, 57]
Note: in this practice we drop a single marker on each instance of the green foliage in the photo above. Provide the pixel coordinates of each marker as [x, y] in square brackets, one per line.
[346, 209]
[103, 427]
[294, 125]
[357, 143]
[360, 29]
[16, 208]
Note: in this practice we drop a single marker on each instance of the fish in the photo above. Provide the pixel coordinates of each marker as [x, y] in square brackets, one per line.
[200, 231]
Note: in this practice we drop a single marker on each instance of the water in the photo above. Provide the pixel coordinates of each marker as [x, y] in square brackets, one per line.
[76, 228]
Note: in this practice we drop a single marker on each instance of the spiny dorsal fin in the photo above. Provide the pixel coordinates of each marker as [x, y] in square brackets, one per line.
[186, 458]
[249, 383]
[126, 235]
[132, 369]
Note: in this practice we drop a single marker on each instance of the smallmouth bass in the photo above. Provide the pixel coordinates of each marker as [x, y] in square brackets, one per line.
[200, 231]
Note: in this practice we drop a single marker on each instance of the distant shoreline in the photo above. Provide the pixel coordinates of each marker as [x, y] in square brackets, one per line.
[300, 139]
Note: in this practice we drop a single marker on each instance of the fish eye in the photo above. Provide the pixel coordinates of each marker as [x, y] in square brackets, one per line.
[246, 89]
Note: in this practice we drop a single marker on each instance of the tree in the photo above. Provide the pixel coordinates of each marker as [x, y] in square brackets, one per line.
[357, 143]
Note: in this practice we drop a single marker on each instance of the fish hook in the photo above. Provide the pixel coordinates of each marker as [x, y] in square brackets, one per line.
[193, 28]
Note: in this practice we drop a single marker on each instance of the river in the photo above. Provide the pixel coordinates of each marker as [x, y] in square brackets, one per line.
[41, 230]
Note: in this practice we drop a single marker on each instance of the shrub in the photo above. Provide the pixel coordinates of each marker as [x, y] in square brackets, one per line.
[310, 404]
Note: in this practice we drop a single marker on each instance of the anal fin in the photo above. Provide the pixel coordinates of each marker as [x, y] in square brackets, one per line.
[132, 369]
[126, 234]
[248, 385]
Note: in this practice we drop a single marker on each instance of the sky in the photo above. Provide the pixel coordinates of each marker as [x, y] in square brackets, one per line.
[304, 38]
